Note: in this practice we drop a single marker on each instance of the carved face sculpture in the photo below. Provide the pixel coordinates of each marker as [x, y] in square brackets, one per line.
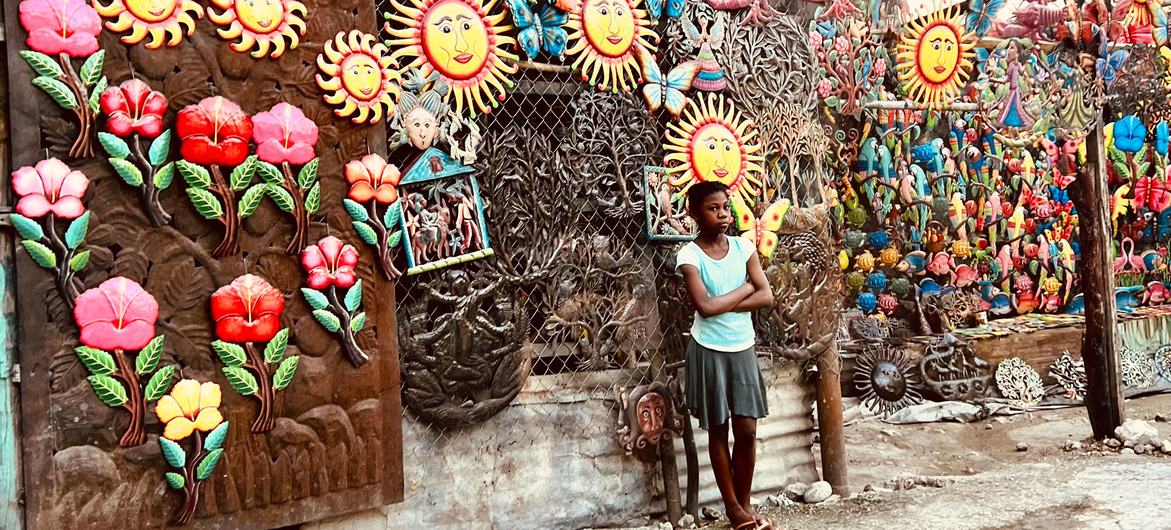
[651, 410]
[609, 26]
[455, 39]
[888, 381]
[421, 127]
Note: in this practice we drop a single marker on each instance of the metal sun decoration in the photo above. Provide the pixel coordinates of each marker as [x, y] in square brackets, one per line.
[264, 27]
[451, 228]
[359, 75]
[165, 21]
[935, 57]
[888, 380]
[609, 37]
[330, 267]
[1019, 382]
[714, 142]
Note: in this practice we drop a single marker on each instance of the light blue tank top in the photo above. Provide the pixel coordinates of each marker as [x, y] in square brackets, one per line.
[731, 331]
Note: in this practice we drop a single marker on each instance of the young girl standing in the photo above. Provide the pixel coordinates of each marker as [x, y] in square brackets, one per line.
[725, 282]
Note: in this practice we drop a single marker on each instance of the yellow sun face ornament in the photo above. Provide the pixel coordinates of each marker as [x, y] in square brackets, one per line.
[264, 27]
[462, 40]
[713, 142]
[359, 76]
[607, 37]
[164, 21]
[935, 57]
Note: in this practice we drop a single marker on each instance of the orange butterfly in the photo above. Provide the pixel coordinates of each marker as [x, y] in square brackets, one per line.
[761, 232]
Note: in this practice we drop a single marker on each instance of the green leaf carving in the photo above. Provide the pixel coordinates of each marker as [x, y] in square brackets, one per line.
[269, 173]
[27, 228]
[251, 200]
[357, 211]
[164, 176]
[316, 299]
[58, 91]
[42, 64]
[160, 148]
[207, 465]
[230, 354]
[394, 238]
[95, 94]
[366, 233]
[96, 361]
[328, 320]
[313, 199]
[242, 380]
[241, 176]
[127, 170]
[173, 454]
[205, 203]
[195, 175]
[91, 70]
[215, 438]
[308, 174]
[79, 261]
[114, 146]
[281, 197]
[274, 351]
[148, 358]
[358, 322]
[353, 297]
[159, 383]
[108, 389]
[284, 373]
[175, 480]
[40, 254]
[75, 234]
[393, 213]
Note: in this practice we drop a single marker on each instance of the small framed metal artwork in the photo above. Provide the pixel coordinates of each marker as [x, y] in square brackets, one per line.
[666, 212]
[442, 214]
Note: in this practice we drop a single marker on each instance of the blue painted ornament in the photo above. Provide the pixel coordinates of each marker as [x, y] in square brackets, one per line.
[879, 239]
[867, 302]
[877, 281]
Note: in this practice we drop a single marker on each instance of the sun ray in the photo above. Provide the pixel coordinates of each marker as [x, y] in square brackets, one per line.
[358, 75]
[164, 21]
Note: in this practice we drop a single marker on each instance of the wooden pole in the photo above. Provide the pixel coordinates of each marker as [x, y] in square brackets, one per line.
[829, 420]
[1100, 342]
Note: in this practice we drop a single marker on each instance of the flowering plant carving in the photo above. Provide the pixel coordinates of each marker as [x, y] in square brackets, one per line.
[189, 411]
[135, 112]
[47, 192]
[373, 182]
[330, 265]
[285, 137]
[851, 63]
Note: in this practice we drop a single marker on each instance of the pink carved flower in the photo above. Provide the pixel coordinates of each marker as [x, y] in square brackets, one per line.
[330, 262]
[133, 107]
[815, 40]
[214, 132]
[61, 26]
[284, 134]
[116, 315]
[842, 45]
[824, 87]
[880, 67]
[49, 188]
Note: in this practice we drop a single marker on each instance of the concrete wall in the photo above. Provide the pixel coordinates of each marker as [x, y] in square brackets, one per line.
[552, 461]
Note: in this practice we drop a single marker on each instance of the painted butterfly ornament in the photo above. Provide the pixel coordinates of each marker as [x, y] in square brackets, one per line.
[543, 30]
[762, 231]
[667, 92]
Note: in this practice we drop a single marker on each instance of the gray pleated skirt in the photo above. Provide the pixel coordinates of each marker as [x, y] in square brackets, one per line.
[723, 384]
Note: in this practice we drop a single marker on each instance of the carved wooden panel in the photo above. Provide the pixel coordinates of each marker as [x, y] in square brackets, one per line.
[336, 445]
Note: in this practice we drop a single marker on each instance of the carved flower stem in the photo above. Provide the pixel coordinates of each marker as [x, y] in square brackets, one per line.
[300, 216]
[266, 395]
[150, 194]
[66, 283]
[190, 486]
[349, 343]
[385, 261]
[135, 435]
[82, 147]
[229, 246]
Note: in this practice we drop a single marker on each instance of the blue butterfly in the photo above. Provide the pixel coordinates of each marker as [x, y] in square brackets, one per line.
[1110, 64]
[537, 33]
[981, 14]
[655, 8]
[667, 92]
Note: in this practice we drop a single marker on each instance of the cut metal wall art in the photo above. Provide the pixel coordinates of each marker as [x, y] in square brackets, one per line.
[952, 371]
[706, 39]
[358, 76]
[164, 21]
[285, 139]
[375, 208]
[1163, 361]
[263, 27]
[442, 214]
[540, 29]
[1019, 383]
[852, 63]
[649, 415]
[761, 232]
[666, 212]
[335, 294]
[1137, 368]
[714, 143]
[667, 92]
[423, 118]
[1070, 375]
[935, 57]
[188, 412]
[887, 380]
[47, 193]
[137, 143]
[609, 37]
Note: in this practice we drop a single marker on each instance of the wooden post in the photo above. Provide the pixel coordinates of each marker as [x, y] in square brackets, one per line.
[829, 420]
[1100, 344]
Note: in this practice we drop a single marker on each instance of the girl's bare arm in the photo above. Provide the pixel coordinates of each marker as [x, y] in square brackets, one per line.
[762, 297]
[709, 306]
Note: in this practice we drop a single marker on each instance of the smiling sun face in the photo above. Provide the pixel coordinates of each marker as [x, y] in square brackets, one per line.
[607, 37]
[712, 142]
[935, 56]
[463, 41]
[261, 25]
[360, 75]
[165, 21]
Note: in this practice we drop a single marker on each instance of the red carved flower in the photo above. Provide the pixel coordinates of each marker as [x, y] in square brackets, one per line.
[214, 132]
[284, 134]
[133, 107]
[330, 262]
[116, 315]
[49, 188]
[372, 178]
[247, 310]
[61, 26]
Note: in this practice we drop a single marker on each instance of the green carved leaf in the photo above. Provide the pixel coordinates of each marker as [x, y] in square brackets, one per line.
[269, 173]
[358, 322]
[175, 480]
[40, 254]
[230, 354]
[195, 175]
[241, 380]
[96, 361]
[356, 210]
[164, 176]
[284, 373]
[394, 238]
[79, 261]
[366, 233]
[313, 199]
[215, 438]
[207, 465]
[75, 234]
[328, 320]
[114, 146]
[353, 297]
[91, 70]
[281, 197]
[393, 213]
[160, 148]
[308, 174]
[95, 94]
[58, 91]
[316, 299]
[149, 357]
[127, 170]
[173, 453]
[160, 383]
[27, 228]
[241, 176]
[42, 64]
[274, 351]
[108, 389]
[251, 200]
[205, 203]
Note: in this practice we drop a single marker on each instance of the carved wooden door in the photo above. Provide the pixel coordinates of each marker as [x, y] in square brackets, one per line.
[333, 444]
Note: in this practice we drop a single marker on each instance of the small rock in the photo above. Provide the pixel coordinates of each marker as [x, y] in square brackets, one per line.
[970, 470]
[1074, 446]
[1022, 447]
[818, 492]
[1128, 443]
[688, 521]
[1113, 443]
[1160, 418]
[867, 488]
[665, 526]
[1137, 432]
[709, 514]
[1140, 449]
[988, 426]
[796, 490]
[889, 432]
[816, 437]
[1126, 451]
[1166, 447]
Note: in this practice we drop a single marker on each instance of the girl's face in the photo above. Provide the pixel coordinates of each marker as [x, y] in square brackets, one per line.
[712, 216]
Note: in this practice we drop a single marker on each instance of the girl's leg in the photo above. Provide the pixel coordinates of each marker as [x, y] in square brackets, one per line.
[722, 467]
[744, 459]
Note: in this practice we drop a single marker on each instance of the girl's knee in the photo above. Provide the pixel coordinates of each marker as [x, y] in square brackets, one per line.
[744, 428]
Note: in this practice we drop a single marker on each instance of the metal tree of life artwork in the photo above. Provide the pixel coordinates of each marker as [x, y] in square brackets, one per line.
[666, 211]
[463, 40]
[442, 214]
[714, 142]
[935, 56]
[608, 37]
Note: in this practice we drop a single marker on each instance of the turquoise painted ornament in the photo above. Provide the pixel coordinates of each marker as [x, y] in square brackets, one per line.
[867, 302]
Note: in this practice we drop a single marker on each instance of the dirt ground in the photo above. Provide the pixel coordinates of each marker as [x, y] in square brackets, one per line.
[989, 483]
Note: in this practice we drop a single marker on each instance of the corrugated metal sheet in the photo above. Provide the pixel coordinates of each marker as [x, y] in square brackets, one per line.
[784, 446]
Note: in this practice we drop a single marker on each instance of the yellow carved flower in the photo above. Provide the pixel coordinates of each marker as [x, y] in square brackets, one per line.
[189, 406]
